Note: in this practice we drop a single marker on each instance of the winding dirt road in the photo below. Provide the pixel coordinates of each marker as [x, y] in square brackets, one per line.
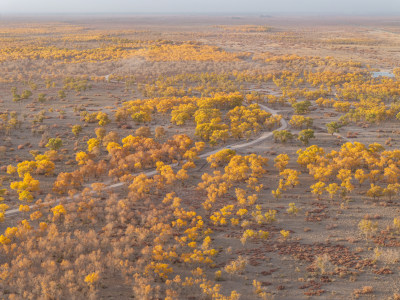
[236, 146]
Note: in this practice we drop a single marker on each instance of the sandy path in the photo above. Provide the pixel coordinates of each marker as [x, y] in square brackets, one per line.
[261, 138]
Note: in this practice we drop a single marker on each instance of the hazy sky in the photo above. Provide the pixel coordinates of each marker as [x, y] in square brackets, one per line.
[201, 6]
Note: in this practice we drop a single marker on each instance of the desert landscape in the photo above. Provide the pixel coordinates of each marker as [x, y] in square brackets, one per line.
[199, 157]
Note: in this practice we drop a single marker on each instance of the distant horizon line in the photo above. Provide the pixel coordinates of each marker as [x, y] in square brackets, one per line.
[233, 14]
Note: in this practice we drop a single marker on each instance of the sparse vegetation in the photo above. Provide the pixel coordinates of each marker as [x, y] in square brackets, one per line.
[183, 161]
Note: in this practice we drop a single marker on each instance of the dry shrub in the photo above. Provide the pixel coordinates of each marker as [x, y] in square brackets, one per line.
[363, 291]
[143, 131]
[3, 151]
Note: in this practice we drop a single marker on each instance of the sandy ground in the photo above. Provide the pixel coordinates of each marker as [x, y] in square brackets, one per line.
[322, 226]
